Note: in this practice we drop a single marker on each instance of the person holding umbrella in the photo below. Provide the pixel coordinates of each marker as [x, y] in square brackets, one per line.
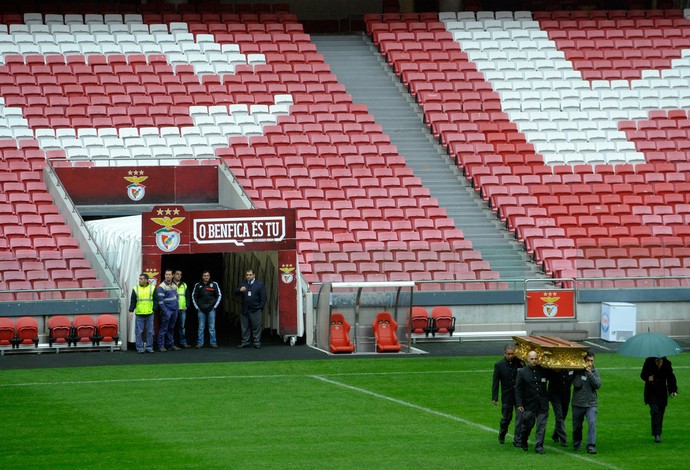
[657, 373]
[659, 383]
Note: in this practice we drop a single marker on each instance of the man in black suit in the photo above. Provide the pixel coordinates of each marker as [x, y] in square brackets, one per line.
[532, 400]
[659, 383]
[253, 293]
[505, 373]
[560, 385]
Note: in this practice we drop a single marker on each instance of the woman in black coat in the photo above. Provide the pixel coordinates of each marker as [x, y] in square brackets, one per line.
[659, 383]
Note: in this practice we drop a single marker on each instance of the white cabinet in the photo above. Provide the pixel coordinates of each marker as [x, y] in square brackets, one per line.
[618, 321]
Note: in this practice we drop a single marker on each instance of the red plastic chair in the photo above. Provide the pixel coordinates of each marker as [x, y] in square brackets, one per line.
[84, 329]
[27, 331]
[107, 328]
[421, 322]
[340, 334]
[59, 330]
[385, 333]
[7, 332]
[442, 320]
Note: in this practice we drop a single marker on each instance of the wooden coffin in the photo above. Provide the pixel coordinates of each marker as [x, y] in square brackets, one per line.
[554, 353]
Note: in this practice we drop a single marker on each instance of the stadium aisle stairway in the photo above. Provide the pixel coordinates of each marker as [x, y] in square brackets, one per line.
[584, 162]
[361, 69]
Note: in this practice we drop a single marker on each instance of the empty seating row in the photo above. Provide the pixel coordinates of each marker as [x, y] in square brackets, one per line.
[385, 334]
[148, 93]
[650, 194]
[60, 330]
[25, 331]
[83, 329]
[441, 321]
[608, 14]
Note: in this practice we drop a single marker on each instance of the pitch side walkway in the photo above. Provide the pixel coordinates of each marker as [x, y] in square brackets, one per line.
[272, 351]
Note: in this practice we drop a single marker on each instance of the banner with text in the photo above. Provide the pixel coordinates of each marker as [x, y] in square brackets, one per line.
[169, 229]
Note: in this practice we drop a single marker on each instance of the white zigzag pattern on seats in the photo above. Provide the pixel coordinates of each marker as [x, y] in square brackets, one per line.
[567, 119]
[213, 125]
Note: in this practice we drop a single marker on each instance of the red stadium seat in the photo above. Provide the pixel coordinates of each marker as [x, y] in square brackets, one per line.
[107, 328]
[385, 333]
[340, 335]
[59, 330]
[442, 321]
[27, 331]
[421, 322]
[7, 333]
[84, 329]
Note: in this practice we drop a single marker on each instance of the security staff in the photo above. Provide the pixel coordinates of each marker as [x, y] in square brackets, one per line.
[182, 306]
[141, 306]
[253, 294]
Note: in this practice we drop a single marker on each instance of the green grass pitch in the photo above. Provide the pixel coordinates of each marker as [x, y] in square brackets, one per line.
[381, 413]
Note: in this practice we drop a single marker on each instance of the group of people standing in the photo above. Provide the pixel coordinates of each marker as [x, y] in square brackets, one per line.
[527, 390]
[170, 298]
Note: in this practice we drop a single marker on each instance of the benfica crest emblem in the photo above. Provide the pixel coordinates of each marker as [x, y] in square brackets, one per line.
[287, 273]
[168, 238]
[136, 190]
[152, 274]
[550, 308]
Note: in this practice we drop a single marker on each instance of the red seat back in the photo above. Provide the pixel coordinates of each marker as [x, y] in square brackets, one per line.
[420, 320]
[443, 321]
[340, 334]
[385, 332]
[27, 330]
[84, 327]
[59, 328]
[6, 330]
[107, 327]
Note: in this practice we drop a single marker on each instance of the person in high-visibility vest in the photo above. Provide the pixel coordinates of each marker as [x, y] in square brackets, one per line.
[141, 306]
[182, 301]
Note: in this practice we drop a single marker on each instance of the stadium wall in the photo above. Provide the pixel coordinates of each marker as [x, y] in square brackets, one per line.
[672, 318]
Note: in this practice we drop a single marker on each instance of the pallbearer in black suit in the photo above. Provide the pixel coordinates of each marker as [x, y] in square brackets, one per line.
[532, 400]
[560, 385]
[505, 373]
[585, 403]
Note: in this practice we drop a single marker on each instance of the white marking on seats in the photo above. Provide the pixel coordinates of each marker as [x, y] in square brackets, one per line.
[538, 85]
[449, 416]
[95, 38]
[197, 141]
[212, 130]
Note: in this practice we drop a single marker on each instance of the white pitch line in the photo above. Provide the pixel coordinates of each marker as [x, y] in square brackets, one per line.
[269, 376]
[597, 345]
[451, 417]
[149, 379]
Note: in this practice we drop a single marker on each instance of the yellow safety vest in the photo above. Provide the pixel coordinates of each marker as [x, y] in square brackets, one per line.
[144, 300]
[181, 296]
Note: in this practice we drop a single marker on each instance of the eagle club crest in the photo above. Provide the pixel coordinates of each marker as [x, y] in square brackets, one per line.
[152, 274]
[136, 190]
[550, 308]
[287, 273]
[168, 238]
